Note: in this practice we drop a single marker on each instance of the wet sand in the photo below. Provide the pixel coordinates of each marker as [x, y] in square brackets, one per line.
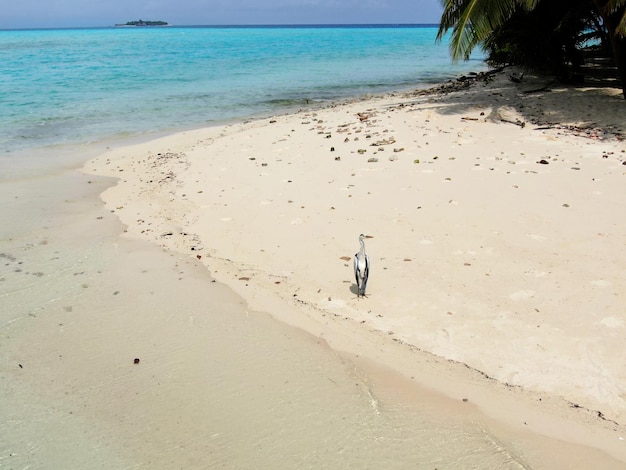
[120, 354]
[436, 368]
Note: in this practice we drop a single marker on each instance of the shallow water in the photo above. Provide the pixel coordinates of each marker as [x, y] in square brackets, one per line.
[85, 85]
[216, 386]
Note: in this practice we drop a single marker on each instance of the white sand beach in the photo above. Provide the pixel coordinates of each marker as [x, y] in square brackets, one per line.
[496, 217]
[497, 251]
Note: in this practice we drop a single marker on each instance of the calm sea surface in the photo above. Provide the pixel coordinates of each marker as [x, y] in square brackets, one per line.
[84, 85]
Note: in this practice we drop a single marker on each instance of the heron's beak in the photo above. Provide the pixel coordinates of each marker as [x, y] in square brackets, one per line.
[368, 236]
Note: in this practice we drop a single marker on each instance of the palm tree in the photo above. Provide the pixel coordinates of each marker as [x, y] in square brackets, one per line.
[549, 37]
[613, 13]
[486, 22]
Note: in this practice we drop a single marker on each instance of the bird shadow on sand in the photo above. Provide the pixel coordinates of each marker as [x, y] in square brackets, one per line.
[355, 290]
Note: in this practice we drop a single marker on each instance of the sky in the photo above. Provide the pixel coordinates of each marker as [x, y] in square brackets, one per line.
[16, 14]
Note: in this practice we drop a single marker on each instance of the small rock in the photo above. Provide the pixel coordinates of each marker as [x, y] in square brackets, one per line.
[543, 162]
[372, 160]
[136, 360]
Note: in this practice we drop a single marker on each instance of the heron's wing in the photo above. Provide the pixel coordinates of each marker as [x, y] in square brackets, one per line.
[367, 271]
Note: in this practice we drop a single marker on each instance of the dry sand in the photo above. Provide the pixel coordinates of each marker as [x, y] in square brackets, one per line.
[498, 246]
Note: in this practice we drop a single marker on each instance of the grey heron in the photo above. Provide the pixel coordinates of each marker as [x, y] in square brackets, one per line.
[361, 267]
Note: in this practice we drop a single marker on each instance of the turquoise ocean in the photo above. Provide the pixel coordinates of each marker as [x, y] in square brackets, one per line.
[75, 86]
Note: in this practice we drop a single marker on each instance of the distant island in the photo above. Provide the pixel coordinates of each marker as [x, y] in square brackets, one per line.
[144, 23]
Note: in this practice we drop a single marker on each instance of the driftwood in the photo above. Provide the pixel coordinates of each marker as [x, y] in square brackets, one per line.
[516, 122]
[542, 88]
[493, 71]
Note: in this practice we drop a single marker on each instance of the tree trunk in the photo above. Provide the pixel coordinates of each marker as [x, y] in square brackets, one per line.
[619, 52]
[618, 43]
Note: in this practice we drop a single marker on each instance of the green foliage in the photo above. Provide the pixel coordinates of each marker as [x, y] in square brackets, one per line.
[549, 37]
[617, 7]
[146, 23]
[473, 22]
[541, 34]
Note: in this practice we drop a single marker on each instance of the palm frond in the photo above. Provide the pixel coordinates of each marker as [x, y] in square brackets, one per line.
[617, 7]
[472, 21]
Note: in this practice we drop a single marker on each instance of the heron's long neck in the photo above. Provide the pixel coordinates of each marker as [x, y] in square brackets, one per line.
[362, 247]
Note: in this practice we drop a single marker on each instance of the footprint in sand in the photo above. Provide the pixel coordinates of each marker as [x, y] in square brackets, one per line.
[536, 273]
[612, 322]
[330, 303]
[463, 253]
[522, 295]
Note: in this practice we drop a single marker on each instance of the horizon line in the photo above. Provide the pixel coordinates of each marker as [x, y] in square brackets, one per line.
[233, 25]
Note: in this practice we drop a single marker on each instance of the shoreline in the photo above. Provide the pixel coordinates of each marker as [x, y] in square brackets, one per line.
[210, 180]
